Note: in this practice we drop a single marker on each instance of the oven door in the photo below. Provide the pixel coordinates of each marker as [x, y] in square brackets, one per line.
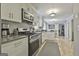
[33, 46]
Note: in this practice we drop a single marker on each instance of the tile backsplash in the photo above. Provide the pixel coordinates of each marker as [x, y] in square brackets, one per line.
[13, 25]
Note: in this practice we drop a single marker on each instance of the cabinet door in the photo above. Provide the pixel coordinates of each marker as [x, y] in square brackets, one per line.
[22, 48]
[11, 12]
[5, 11]
[8, 48]
[16, 48]
[16, 12]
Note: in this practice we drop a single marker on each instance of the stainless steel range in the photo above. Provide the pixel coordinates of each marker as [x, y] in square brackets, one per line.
[34, 40]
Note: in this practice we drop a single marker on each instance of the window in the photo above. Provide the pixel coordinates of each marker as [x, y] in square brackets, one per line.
[51, 26]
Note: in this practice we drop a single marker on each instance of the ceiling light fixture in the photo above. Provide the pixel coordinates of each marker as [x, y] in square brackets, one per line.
[55, 10]
[52, 11]
[52, 14]
[53, 20]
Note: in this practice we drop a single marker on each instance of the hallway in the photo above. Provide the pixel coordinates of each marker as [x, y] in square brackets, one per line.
[56, 47]
[57, 25]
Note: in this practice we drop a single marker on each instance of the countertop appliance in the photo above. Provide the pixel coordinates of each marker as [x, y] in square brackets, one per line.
[4, 31]
[23, 31]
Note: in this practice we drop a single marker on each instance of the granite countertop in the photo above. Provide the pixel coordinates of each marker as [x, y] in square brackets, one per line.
[13, 38]
[16, 37]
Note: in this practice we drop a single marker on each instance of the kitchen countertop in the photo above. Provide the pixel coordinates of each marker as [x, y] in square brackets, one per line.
[13, 38]
[17, 37]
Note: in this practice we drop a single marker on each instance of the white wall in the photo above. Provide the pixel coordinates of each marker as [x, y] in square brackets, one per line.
[76, 36]
[40, 21]
[76, 32]
[44, 26]
[68, 29]
[0, 28]
[57, 29]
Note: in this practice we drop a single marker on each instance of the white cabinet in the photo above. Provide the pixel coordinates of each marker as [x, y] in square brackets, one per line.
[11, 12]
[16, 48]
[16, 12]
[48, 36]
[5, 11]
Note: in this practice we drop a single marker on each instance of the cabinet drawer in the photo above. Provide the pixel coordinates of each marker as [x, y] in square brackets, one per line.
[16, 47]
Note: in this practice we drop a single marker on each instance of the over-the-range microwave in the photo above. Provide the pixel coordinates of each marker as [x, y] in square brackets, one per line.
[26, 16]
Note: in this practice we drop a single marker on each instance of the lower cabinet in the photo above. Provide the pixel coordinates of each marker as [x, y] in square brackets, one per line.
[16, 48]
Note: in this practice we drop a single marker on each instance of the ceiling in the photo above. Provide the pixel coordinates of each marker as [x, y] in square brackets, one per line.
[64, 10]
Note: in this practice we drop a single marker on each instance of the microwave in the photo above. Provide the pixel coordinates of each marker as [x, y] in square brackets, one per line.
[26, 16]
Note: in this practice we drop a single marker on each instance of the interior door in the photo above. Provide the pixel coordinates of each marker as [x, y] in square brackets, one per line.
[72, 30]
[61, 29]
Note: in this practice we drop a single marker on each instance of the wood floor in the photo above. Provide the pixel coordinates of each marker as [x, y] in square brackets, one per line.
[50, 49]
[65, 46]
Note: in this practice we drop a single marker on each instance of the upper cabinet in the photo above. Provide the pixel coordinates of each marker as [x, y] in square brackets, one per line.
[11, 12]
[5, 11]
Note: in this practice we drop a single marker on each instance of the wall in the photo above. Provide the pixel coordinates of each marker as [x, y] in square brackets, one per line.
[57, 29]
[76, 36]
[13, 25]
[0, 28]
[0, 36]
[68, 29]
[44, 26]
[37, 18]
[40, 21]
[76, 31]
